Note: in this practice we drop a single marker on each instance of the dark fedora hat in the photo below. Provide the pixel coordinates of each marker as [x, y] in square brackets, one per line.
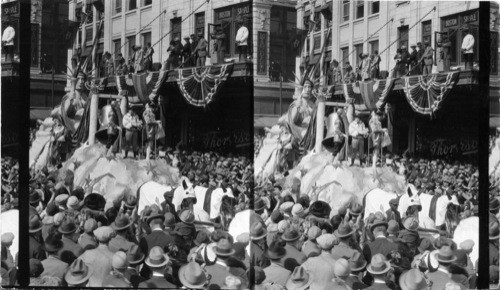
[344, 230]
[290, 235]
[259, 204]
[94, 201]
[35, 225]
[275, 251]
[155, 215]
[68, 226]
[320, 209]
[445, 255]
[134, 255]
[224, 248]
[121, 222]
[53, 243]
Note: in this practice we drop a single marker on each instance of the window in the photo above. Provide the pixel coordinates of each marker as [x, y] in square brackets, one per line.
[374, 7]
[360, 9]
[276, 21]
[359, 50]
[176, 27]
[403, 36]
[345, 10]
[343, 54]
[306, 22]
[146, 38]
[147, 2]
[117, 45]
[130, 43]
[426, 31]
[373, 46]
[132, 4]
[88, 33]
[118, 7]
[199, 25]
[317, 20]
[89, 11]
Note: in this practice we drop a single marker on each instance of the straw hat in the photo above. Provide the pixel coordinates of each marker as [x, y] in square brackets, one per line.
[299, 279]
[78, 273]
[157, 258]
[192, 276]
[379, 265]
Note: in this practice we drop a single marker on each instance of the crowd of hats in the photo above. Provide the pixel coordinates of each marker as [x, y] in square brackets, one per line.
[301, 240]
[77, 228]
[10, 181]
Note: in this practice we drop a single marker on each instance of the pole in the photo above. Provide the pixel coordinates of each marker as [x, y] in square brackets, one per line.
[94, 106]
[281, 94]
[320, 119]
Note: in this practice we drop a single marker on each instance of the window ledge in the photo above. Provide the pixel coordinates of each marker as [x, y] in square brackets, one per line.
[358, 20]
[116, 16]
[150, 7]
[344, 24]
[130, 12]
[374, 15]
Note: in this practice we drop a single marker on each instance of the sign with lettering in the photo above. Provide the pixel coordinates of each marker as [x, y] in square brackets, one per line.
[242, 10]
[451, 22]
[10, 8]
[224, 14]
[262, 53]
[470, 17]
[218, 140]
[447, 145]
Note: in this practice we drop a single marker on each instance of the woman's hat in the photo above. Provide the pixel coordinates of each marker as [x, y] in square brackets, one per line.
[78, 273]
[192, 276]
[224, 248]
[445, 255]
[379, 265]
[157, 258]
[299, 280]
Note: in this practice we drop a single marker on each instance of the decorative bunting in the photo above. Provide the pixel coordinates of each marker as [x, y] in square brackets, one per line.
[368, 95]
[426, 94]
[199, 85]
[144, 84]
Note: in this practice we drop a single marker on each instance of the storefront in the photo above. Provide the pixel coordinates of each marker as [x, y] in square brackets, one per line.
[229, 18]
[453, 25]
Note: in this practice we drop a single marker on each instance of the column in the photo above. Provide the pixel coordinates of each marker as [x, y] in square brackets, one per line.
[320, 121]
[94, 103]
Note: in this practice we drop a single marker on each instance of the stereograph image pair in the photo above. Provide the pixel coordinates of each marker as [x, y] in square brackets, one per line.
[232, 144]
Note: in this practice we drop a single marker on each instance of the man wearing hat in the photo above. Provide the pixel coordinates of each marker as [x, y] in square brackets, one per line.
[53, 266]
[357, 264]
[117, 276]
[192, 276]
[310, 247]
[439, 278]
[87, 239]
[79, 274]
[410, 234]
[378, 268]
[135, 258]
[276, 272]
[35, 240]
[219, 38]
[426, 59]
[122, 226]
[413, 61]
[322, 266]
[413, 280]
[258, 244]
[186, 52]
[380, 244]
[392, 213]
[468, 48]
[344, 235]
[68, 229]
[220, 270]
[101, 257]
[157, 237]
[291, 237]
[299, 280]
[200, 51]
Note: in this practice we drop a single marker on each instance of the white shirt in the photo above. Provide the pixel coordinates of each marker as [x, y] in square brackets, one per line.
[468, 43]
[357, 128]
[8, 35]
[242, 36]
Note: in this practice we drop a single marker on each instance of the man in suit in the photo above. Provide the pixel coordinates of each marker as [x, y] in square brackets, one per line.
[220, 270]
[426, 59]
[35, 241]
[220, 38]
[53, 266]
[186, 52]
[378, 268]
[122, 225]
[357, 264]
[291, 237]
[157, 237]
[343, 249]
[322, 267]
[68, 229]
[200, 51]
[442, 276]
[99, 258]
[380, 245]
[87, 239]
[413, 60]
[157, 261]
[276, 272]
[258, 244]
[420, 53]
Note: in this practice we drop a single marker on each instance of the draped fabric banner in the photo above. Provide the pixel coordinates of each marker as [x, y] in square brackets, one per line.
[144, 84]
[368, 95]
[125, 87]
[426, 94]
[199, 85]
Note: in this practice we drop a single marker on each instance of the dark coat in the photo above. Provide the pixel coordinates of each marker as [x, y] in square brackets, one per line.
[156, 238]
[355, 283]
[157, 282]
[379, 246]
[36, 249]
